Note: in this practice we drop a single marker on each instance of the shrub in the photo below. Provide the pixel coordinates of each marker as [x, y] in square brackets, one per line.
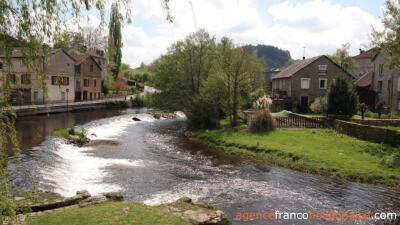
[262, 121]
[342, 98]
[320, 105]
[202, 114]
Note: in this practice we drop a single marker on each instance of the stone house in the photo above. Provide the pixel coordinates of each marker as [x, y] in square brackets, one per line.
[380, 80]
[24, 81]
[60, 77]
[88, 76]
[305, 80]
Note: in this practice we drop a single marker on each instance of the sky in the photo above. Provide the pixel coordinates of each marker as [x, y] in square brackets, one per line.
[321, 26]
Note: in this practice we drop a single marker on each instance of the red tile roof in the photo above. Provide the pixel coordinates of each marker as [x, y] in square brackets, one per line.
[295, 67]
[365, 80]
[370, 54]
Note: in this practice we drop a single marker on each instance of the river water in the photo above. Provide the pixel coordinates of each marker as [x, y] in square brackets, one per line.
[151, 161]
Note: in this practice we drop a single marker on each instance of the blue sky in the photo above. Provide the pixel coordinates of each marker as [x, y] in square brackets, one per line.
[319, 25]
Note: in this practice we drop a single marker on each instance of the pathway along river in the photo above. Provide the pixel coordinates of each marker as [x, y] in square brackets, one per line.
[154, 163]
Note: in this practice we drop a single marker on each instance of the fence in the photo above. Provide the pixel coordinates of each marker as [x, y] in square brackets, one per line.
[299, 121]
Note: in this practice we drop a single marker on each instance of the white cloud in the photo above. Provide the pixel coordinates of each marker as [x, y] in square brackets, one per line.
[320, 25]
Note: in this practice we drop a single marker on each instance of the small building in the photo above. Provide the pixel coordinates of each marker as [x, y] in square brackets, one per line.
[305, 80]
[60, 77]
[88, 76]
[383, 81]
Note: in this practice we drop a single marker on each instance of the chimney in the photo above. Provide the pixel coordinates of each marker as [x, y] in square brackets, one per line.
[361, 51]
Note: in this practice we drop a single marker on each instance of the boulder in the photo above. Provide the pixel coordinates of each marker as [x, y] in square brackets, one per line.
[197, 213]
[92, 200]
[115, 196]
[136, 119]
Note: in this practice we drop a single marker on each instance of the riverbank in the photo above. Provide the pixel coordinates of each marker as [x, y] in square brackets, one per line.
[319, 151]
[110, 208]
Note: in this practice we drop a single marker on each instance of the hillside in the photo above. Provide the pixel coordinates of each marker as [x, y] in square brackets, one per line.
[273, 57]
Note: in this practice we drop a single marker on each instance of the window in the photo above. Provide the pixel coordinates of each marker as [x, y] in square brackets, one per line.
[86, 82]
[389, 85]
[1, 65]
[12, 78]
[305, 83]
[58, 80]
[322, 69]
[95, 83]
[380, 69]
[91, 67]
[25, 79]
[77, 70]
[380, 86]
[323, 83]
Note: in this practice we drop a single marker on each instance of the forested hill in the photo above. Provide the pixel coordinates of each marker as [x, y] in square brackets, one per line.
[273, 56]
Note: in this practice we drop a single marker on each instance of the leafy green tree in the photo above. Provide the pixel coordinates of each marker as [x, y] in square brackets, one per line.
[69, 39]
[342, 57]
[199, 73]
[115, 41]
[241, 74]
[388, 40]
[342, 98]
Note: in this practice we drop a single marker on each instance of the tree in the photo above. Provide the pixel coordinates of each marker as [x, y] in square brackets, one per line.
[342, 98]
[115, 41]
[388, 40]
[241, 74]
[199, 73]
[68, 39]
[94, 38]
[343, 58]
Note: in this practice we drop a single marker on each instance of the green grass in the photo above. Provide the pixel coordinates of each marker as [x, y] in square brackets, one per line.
[109, 213]
[322, 151]
[62, 133]
[71, 135]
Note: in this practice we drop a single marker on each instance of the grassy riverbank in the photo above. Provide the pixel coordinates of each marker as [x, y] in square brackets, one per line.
[321, 151]
[109, 213]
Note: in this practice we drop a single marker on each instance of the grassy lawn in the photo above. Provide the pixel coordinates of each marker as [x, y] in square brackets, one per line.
[320, 151]
[110, 213]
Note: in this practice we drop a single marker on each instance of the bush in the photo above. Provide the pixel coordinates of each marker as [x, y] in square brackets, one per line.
[320, 105]
[342, 98]
[262, 121]
[202, 114]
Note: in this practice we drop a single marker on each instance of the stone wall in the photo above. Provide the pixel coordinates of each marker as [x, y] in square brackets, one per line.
[380, 122]
[369, 133]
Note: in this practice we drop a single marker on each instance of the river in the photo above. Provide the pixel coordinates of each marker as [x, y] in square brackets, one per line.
[151, 161]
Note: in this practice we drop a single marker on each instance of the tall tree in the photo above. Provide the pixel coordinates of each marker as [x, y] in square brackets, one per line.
[342, 97]
[342, 57]
[115, 41]
[241, 74]
[388, 40]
